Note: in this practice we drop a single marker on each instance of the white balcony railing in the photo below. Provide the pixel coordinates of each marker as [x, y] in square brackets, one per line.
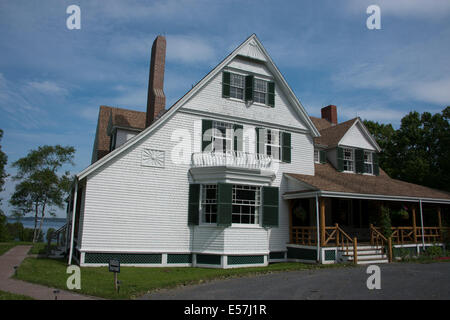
[233, 159]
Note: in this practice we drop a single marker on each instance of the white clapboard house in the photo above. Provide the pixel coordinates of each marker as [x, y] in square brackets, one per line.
[236, 174]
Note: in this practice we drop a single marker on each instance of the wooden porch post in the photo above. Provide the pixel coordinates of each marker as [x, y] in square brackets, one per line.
[414, 223]
[322, 221]
[440, 223]
[291, 208]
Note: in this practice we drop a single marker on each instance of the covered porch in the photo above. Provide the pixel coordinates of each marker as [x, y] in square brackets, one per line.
[353, 224]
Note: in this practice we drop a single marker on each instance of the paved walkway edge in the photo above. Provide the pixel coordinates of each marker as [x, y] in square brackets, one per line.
[14, 257]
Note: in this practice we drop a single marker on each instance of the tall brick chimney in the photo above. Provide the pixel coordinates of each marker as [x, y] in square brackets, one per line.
[330, 113]
[156, 100]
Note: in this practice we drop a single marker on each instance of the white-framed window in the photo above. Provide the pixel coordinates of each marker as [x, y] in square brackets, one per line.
[316, 156]
[246, 203]
[222, 139]
[349, 159]
[272, 143]
[368, 162]
[237, 85]
[260, 91]
[209, 203]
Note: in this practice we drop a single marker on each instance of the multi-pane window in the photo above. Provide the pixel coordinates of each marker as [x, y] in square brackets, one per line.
[222, 137]
[237, 84]
[273, 144]
[246, 204]
[209, 203]
[368, 163]
[260, 91]
[316, 156]
[349, 159]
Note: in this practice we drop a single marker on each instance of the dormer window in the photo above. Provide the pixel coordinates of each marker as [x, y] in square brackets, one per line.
[316, 156]
[368, 162]
[349, 160]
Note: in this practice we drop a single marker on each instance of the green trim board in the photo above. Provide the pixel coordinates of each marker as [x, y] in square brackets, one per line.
[124, 258]
[301, 253]
[277, 255]
[330, 255]
[209, 259]
[179, 258]
[233, 260]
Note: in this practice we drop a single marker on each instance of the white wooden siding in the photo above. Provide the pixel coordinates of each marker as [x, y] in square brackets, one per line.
[133, 208]
[356, 138]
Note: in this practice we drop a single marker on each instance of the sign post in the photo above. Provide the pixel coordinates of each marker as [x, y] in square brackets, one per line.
[114, 266]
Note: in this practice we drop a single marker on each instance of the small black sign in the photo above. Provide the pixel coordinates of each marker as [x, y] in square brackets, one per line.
[114, 266]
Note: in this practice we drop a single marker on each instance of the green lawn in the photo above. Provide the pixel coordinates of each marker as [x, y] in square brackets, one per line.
[37, 248]
[11, 296]
[98, 281]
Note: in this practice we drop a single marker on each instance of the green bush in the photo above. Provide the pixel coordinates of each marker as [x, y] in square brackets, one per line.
[4, 234]
[434, 251]
[385, 222]
[404, 254]
[49, 234]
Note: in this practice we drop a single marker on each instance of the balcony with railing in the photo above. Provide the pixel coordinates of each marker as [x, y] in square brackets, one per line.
[214, 165]
[232, 159]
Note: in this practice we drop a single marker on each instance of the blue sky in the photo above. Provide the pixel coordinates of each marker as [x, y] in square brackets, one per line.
[52, 80]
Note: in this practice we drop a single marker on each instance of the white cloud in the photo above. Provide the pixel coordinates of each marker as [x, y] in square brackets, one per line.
[47, 87]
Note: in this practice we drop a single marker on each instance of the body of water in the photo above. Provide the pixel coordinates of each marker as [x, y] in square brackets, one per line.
[48, 223]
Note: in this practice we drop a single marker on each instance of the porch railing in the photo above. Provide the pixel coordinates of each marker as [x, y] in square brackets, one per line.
[408, 235]
[232, 158]
[334, 236]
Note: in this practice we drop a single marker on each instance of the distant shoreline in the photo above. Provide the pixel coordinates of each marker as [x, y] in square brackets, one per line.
[50, 219]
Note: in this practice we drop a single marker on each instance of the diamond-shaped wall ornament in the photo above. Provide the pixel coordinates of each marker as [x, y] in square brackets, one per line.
[153, 158]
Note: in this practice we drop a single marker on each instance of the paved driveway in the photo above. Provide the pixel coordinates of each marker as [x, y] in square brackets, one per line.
[398, 281]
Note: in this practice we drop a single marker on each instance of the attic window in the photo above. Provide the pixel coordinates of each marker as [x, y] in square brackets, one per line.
[368, 162]
[349, 159]
[236, 86]
[260, 91]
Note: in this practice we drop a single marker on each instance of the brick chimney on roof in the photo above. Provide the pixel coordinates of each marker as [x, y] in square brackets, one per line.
[156, 100]
[330, 113]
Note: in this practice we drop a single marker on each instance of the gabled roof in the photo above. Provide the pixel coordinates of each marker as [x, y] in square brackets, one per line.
[332, 135]
[111, 116]
[326, 178]
[257, 51]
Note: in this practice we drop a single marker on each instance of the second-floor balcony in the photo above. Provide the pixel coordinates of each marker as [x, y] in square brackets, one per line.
[238, 159]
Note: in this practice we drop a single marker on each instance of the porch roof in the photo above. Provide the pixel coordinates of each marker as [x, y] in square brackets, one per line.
[329, 182]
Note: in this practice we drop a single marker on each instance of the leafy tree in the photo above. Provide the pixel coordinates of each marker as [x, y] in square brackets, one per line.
[418, 151]
[3, 161]
[41, 188]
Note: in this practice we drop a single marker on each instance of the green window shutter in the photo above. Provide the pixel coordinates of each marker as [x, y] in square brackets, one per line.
[260, 137]
[226, 84]
[206, 134]
[238, 132]
[249, 88]
[376, 167]
[224, 206]
[359, 160]
[322, 156]
[286, 148]
[271, 94]
[340, 159]
[194, 204]
[270, 206]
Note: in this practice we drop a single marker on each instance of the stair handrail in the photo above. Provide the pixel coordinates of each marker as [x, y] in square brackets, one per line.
[384, 241]
[343, 239]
